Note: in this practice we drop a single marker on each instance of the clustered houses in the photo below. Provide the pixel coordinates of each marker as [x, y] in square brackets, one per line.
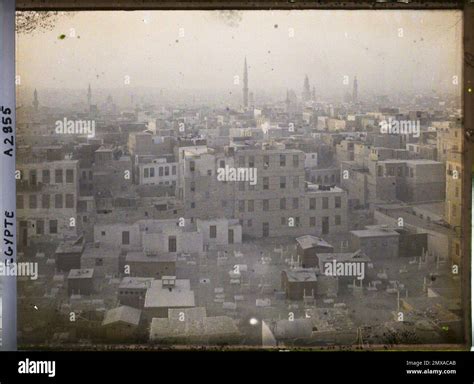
[47, 196]
[278, 202]
[174, 224]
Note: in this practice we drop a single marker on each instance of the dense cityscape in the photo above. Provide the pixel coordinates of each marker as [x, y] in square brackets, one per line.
[288, 219]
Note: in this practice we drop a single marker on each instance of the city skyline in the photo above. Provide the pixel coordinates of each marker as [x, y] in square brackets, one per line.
[390, 51]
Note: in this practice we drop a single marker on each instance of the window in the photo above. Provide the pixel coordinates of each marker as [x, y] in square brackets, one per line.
[33, 202]
[58, 176]
[160, 171]
[39, 227]
[69, 200]
[172, 244]
[193, 205]
[167, 171]
[282, 182]
[241, 205]
[379, 171]
[337, 202]
[251, 161]
[297, 221]
[325, 202]
[282, 160]
[325, 225]
[266, 161]
[33, 179]
[58, 201]
[192, 166]
[222, 164]
[152, 172]
[296, 182]
[45, 176]
[45, 201]
[312, 203]
[69, 176]
[209, 172]
[266, 205]
[312, 221]
[102, 233]
[19, 202]
[250, 204]
[296, 161]
[146, 173]
[296, 203]
[249, 223]
[266, 183]
[212, 231]
[192, 186]
[283, 203]
[337, 220]
[53, 226]
[173, 170]
[125, 237]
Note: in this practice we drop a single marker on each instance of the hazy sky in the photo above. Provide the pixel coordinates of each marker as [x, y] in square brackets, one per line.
[149, 47]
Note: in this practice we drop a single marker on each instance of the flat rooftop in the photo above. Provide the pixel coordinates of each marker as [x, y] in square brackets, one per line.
[374, 233]
[122, 314]
[140, 256]
[85, 273]
[180, 295]
[136, 283]
[309, 241]
[301, 275]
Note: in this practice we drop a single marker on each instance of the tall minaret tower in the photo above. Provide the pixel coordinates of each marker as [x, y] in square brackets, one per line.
[306, 89]
[35, 100]
[246, 85]
[355, 90]
[89, 95]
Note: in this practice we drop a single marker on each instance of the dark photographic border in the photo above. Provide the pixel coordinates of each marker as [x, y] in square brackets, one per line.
[463, 233]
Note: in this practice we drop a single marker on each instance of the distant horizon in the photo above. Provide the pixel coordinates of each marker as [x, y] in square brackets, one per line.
[190, 51]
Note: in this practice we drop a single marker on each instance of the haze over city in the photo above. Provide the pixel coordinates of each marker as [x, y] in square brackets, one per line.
[388, 51]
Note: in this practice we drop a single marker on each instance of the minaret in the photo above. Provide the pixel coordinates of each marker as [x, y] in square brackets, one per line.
[288, 101]
[354, 90]
[246, 86]
[35, 100]
[306, 89]
[89, 95]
